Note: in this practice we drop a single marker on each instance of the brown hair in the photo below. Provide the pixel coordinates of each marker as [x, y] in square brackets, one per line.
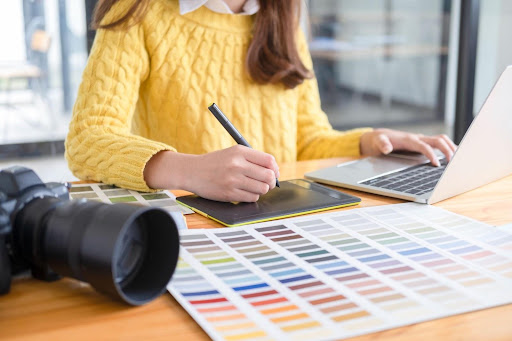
[135, 13]
[272, 56]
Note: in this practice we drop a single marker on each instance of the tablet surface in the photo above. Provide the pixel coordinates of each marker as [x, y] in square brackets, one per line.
[295, 197]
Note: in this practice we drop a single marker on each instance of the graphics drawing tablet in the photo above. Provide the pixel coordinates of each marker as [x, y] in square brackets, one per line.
[294, 197]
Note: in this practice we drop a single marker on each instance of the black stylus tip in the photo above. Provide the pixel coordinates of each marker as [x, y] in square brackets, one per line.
[277, 183]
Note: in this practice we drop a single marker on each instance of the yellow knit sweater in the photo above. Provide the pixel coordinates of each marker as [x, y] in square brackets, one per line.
[147, 88]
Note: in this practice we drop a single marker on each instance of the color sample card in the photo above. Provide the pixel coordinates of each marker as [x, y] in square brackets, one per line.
[341, 274]
[111, 195]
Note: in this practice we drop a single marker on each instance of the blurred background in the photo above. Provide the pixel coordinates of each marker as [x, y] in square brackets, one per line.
[421, 66]
[43, 53]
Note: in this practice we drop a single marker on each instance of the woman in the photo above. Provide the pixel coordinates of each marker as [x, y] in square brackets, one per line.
[141, 120]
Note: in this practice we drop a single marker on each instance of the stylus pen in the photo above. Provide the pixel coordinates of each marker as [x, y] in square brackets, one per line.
[235, 134]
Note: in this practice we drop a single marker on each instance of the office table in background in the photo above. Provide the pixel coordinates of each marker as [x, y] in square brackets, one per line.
[67, 309]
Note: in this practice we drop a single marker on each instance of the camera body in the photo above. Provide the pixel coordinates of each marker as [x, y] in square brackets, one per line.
[19, 186]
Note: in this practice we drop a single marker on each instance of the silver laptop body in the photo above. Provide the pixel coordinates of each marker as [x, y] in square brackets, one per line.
[484, 155]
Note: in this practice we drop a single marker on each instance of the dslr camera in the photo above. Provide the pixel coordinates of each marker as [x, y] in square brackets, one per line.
[125, 251]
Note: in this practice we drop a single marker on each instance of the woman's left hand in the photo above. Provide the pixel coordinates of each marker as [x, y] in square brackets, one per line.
[384, 141]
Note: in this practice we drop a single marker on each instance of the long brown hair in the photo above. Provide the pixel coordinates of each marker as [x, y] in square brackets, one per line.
[272, 56]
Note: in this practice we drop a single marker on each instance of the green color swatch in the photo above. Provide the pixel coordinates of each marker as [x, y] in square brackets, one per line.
[122, 199]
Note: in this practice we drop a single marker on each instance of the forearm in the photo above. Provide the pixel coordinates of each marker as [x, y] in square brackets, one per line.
[168, 170]
[237, 173]
[113, 157]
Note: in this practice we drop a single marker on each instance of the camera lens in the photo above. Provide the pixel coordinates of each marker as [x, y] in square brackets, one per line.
[127, 252]
[131, 255]
[5, 267]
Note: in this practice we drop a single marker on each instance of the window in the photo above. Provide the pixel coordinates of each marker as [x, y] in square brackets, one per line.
[383, 62]
[43, 56]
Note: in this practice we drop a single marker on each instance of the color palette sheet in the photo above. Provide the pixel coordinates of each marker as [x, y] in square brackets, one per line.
[111, 195]
[341, 274]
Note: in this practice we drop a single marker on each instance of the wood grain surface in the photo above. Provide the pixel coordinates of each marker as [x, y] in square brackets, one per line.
[70, 310]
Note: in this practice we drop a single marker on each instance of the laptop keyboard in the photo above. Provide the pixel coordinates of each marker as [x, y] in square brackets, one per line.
[415, 180]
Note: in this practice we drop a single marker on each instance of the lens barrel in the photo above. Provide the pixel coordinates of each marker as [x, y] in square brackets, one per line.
[125, 251]
[5, 268]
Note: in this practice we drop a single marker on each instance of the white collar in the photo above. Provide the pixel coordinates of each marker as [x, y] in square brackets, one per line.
[219, 6]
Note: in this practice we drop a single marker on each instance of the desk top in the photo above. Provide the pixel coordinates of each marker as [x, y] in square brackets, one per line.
[68, 309]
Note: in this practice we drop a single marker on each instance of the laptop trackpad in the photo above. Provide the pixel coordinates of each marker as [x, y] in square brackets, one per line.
[376, 165]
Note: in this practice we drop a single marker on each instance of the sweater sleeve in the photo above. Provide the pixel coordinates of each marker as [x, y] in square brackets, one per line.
[99, 145]
[316, 138]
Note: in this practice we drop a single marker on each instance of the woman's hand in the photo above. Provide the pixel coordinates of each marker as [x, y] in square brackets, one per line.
[237, 173]
[384, 141]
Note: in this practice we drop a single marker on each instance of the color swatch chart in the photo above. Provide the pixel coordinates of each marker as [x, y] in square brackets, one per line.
[341, 274]
[111, 195]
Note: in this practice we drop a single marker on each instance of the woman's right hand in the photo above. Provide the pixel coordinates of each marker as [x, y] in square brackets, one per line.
[237, 173]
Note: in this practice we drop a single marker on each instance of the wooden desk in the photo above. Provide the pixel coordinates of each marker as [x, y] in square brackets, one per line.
[69, 310]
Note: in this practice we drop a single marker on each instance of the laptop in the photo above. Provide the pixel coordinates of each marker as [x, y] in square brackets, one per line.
[484, 155]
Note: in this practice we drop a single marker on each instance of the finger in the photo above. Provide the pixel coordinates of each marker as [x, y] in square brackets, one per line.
[384, 145]
[450, 143]
[244, 196]
[440, 143]
[253, 186]
[261, 174]
[262, 159]
[423, 148]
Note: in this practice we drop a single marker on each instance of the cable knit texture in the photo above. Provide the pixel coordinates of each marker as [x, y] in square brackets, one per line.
[147, 88]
